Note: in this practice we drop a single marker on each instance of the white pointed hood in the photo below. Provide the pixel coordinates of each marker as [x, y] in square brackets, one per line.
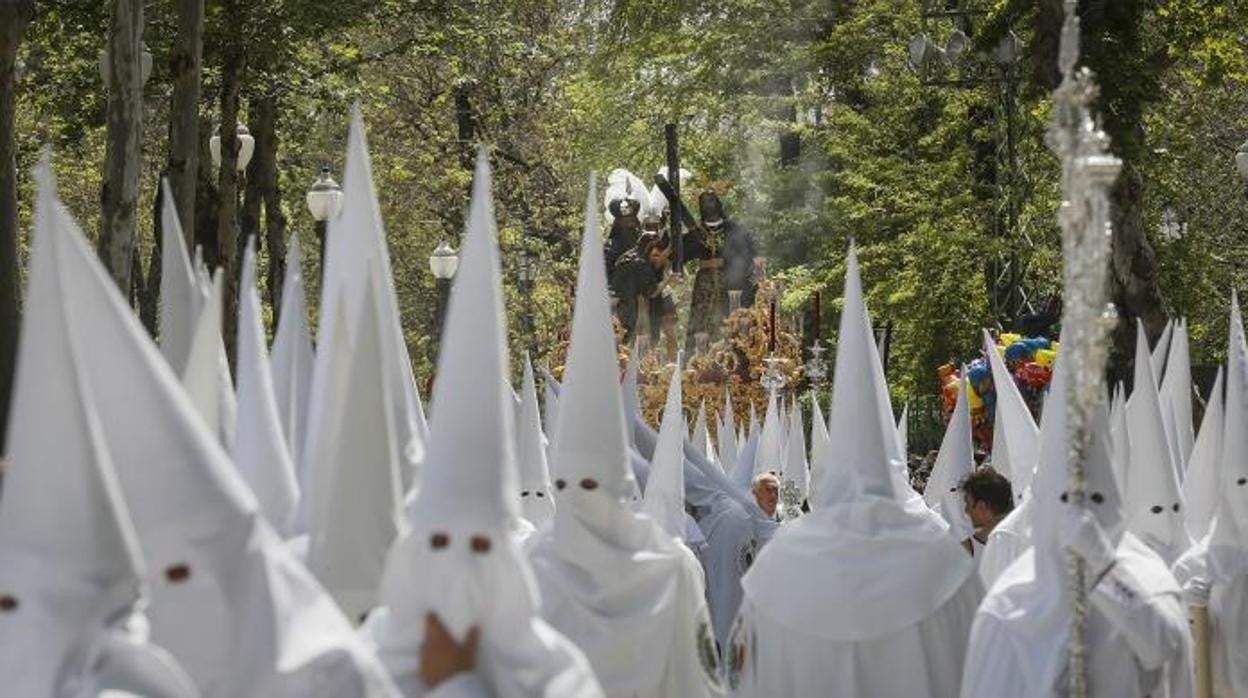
[228, 599]
[752, 429]
[178, 286]
[629, 384]
[260, 451]
[1118, 435]
[665, 491]
[1153, 500]
[599, 556]
[207, 375]
[590, 438]
[292, 353]
[356, 258]
[700, 439]
[727, 435]
[1229, 531]
[903, 434]
[1176, 391]
[770, 456]
[861, 421]
[470, 478]
[550, 406]
[869, 563]
[70, 566]
[1022, 438]
[820, 449]
[795, 477]
[352, 528]
[537, 503]
[1203, 482]
[954, 462]
[1157, 357]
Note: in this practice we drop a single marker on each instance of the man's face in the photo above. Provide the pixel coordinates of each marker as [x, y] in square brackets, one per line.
[659, 256]
[767, 493]
[980, 513]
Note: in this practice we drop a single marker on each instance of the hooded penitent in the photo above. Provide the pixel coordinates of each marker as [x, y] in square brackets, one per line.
[260, 451]
[1228, 537]
[874, 564]
[1176, 391]
[820, 445]
[1153, 501]
[701, 439]
[770, 455]
[357, 260]
[1203, 481]
[359, 515]
[665, 490]
[600, 560]
[1020, 432]
[292, 353]
[207, 375]
[70, 567]
[954, 462]
[228, 599]
[537, 503]
[1118, 435]
[459, 560]
[179, 291]
[1136, 631]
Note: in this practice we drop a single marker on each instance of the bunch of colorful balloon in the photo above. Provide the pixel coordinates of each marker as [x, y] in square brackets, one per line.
[1029, 361]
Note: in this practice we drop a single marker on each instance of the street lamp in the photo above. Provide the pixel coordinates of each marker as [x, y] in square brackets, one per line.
[443, 263]
[246, 147]
[324, 201]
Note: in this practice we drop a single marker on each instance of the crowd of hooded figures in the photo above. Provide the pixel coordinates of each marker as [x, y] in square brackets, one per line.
[310, 534]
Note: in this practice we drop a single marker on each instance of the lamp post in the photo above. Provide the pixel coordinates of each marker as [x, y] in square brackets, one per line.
[324, 200]
[443, 263]
[246, 147]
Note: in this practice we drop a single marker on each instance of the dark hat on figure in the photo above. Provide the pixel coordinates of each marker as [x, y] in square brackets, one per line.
[711, 208]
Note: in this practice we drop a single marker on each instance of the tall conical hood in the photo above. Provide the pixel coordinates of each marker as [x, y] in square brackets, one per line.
[360, 514]
[207, 375]
[1230, 526]
[795, 473]
[1203, 481]
[903, 433]
[1153, 500]
[1176, 392]
[629, 385]
[954, 462]
[356, 257]
[1118, 435]
[727, 436]
[770, 456]
[550, 405]
[470, 475]
[536, 503]
[292, 353]
[861, 422]
[820, 449]
[701, 441]
[260, 451]
[665, 491]
[1157, 357]
[1022, 438]
[61, 501]
[752, 429]
[590, 438]
[178, 290]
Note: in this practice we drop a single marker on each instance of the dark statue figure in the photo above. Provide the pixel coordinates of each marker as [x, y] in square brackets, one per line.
[726, 252]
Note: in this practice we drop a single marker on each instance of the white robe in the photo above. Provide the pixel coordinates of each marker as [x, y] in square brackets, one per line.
[731, 547]
[1137, 634]
[923, 660]
[1009, 540]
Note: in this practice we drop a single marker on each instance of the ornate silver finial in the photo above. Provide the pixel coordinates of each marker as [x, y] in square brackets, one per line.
[772, 379]
[1088, 172]
[816, 368]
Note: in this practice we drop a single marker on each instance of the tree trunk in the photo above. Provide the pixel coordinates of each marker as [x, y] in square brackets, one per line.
[186, 66]
[14, 16]
[149, 296]
[228, 239]
[205, 237]
[124, 153]
[265, 132]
